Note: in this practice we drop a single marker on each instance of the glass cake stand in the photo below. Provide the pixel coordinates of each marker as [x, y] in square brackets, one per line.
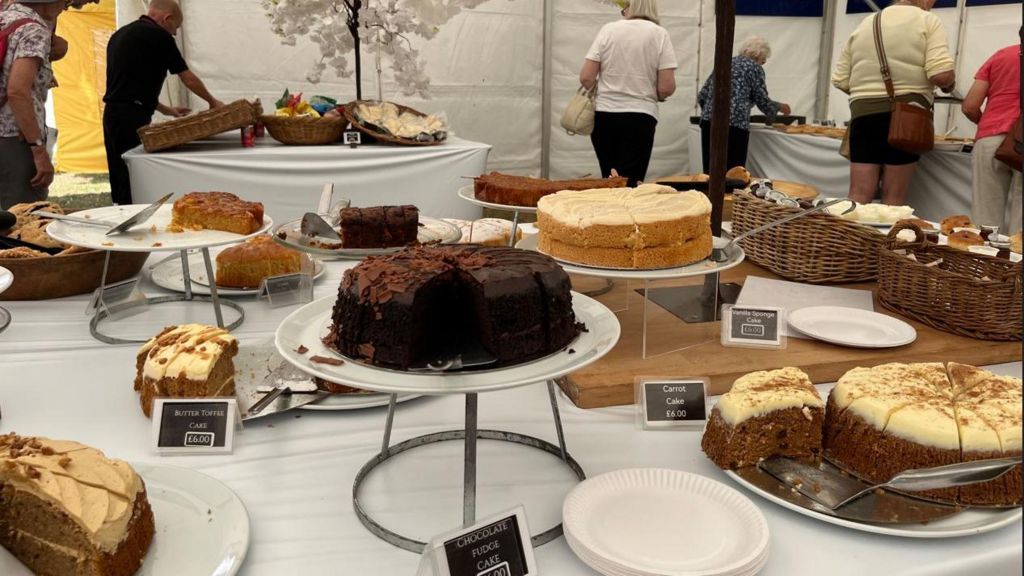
[151, 236]
[466, 193]
[306, 326]
[649, 277]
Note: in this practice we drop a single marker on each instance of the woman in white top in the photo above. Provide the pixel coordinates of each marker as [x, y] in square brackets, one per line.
[632, 63]
[919, 59]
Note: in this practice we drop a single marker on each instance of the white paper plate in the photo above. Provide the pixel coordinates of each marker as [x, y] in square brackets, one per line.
[150, 236]
[6, 279]
[466, 193]
[202, 527]
[966, 523]
[167, 274]
[702, 268]
[305, 327]
[852, 327]
[657, 521]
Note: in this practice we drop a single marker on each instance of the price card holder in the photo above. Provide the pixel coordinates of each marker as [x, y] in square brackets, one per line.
[288, 289]
[194, 425]
[663, 404]
[352, 138]
[495, 546]
[118, 293]
[753, 327]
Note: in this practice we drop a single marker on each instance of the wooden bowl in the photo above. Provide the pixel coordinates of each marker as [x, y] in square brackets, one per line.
[44, 278]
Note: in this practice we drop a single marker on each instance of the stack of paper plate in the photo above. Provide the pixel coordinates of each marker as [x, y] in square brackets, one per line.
[655, 522]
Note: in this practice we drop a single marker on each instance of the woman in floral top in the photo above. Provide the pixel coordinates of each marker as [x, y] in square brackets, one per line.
[25, 77]
[748, 89]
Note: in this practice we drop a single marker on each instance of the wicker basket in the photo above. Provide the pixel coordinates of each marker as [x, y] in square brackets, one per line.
[380, 134]
[818, 248]
[66, 275]
[303, 130]
[965, 293]
[238, 114]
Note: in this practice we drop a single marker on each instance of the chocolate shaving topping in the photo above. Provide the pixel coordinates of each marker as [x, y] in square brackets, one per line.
[326, 360]
[302, 349]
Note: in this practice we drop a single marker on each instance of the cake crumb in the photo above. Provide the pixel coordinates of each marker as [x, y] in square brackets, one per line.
[301, 349]
[326, 360]
[572, 350]
[157, 244]
[107, 244]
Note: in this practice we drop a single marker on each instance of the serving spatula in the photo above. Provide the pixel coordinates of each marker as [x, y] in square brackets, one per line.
[139, 218]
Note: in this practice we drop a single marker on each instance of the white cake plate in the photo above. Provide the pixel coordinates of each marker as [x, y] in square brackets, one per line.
[307, 325]
[150, 236]
[466, 193]
[431, 231]
[966, 523]
[169, 274]
[6, 279]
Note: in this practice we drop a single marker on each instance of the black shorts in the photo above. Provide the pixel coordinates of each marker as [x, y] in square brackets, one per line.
[869, 142]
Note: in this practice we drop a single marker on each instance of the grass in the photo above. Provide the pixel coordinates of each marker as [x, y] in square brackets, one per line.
[74, 191]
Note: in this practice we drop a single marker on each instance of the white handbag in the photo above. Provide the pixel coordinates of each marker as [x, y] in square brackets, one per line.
[578, 118]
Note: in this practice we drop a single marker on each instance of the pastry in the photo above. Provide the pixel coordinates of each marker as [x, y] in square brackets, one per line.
[738, 173]
[191, 360]
[66, 509]
[650, 226]
[1015, 243]
[765, 414]
[216, 211]
[509, 190]
[964, 239]
[246, 265]
[950, 223]
[413, 305]
[924, 225]
[487, 231]
[379, 226]
[22, 252]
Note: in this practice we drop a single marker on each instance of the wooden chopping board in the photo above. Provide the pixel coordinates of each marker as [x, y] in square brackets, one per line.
[610, 381]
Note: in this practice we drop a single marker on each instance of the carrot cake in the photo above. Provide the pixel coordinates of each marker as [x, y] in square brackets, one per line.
[650, 226]
[66, 509]
[187, 361]
[765, 414]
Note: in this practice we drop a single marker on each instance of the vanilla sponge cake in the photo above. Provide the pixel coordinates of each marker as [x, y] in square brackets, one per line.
[187, 361]
[650, 226]
[765, 414]
[68, 510]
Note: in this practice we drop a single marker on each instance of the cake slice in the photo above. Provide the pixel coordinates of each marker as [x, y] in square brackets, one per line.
[216, 211]
[67, 510]
[187, 361]
[765, 414]
[247, 264]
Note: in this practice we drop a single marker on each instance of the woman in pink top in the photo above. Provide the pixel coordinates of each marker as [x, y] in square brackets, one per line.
[997, 187]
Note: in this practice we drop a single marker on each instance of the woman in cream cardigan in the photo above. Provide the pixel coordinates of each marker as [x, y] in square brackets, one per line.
[919, 60]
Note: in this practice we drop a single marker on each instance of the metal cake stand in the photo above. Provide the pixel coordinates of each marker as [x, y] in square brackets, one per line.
[152, 236]
[305, 327]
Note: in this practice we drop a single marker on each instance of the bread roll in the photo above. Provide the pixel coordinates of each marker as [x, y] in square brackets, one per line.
[951, 222]
[964, 239]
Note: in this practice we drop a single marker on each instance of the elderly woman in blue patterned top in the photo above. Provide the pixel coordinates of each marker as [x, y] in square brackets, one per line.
[748, 89]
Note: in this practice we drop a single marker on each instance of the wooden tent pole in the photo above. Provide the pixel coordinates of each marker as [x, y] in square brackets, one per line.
[725, 23]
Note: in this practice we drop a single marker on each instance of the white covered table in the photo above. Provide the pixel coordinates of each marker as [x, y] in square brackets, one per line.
[288, 179]
[294, 470]
[941, 186]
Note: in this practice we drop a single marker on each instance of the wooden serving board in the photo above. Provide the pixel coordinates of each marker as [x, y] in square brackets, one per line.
[610, 381]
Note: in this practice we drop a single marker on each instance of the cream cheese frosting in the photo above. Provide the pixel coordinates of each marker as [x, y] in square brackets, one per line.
[189, 350]
[645, 204]
[97, 492]
[760, 393]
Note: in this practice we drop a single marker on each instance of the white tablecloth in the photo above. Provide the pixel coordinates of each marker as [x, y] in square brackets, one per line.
[941, 185]
[294, 471]
[288, 179]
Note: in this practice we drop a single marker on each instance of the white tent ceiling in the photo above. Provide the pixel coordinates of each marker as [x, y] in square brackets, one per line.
[487, 68]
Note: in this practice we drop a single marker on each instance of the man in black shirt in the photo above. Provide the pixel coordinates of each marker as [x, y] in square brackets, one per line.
[139, 56]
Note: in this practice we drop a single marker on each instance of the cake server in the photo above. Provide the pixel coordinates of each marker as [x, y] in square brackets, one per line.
[314, 226]
[139, 218]
[74, 219]
[262, 368]
[721, 254]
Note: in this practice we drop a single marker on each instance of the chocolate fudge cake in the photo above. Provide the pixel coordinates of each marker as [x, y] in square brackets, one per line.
[423, 302]
[379, 226]
[68, 510]
[765, 414]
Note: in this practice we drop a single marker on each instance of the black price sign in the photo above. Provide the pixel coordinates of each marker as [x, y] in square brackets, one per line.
[492, 550]
[666, 404]
[757, 326]
[194, 426]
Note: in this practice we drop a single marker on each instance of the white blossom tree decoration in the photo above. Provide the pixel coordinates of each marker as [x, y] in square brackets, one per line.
[339, 27]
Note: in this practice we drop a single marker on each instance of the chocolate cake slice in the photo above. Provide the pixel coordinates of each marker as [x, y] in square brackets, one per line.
[379, 226]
